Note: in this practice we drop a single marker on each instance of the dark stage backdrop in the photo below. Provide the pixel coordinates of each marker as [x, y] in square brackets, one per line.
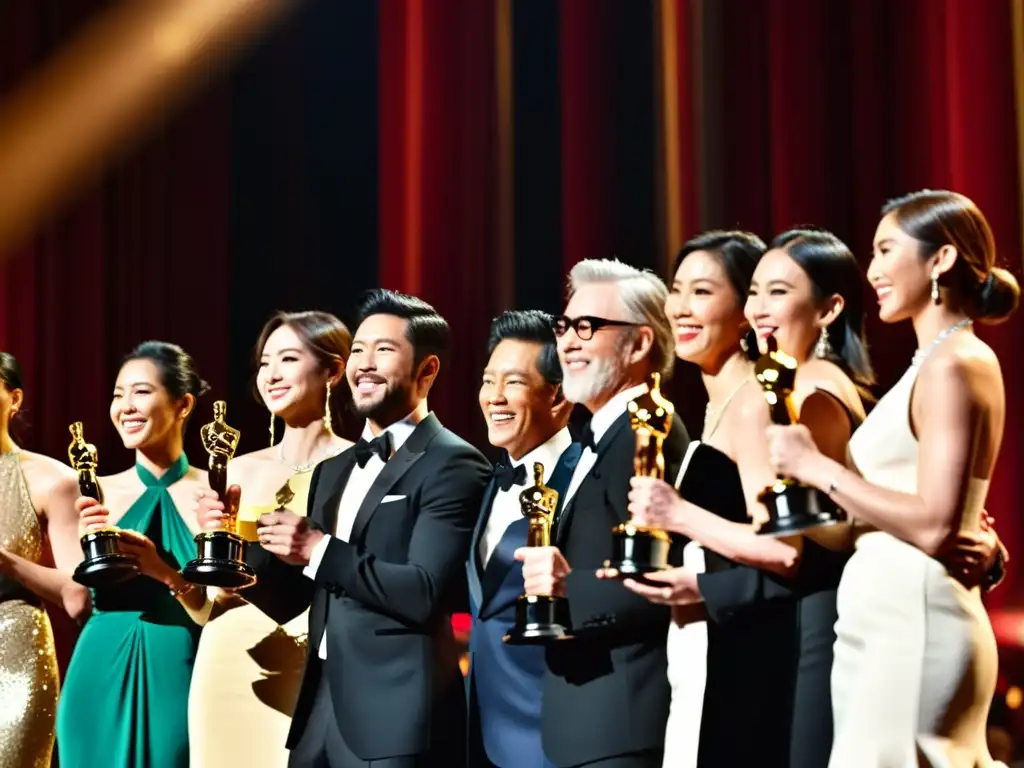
[471, 151]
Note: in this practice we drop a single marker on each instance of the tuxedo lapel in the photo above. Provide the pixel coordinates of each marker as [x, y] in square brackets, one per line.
[333, 478]
[564, 515]
[501, 561]
[396, 467]
[473, 564]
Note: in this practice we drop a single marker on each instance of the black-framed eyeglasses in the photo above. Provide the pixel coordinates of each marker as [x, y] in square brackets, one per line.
[585, 325]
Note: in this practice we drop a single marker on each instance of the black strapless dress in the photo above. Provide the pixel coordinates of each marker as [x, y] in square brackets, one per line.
[768, 696]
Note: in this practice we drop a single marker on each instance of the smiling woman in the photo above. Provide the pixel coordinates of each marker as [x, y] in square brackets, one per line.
[248, 668]
[144, 632]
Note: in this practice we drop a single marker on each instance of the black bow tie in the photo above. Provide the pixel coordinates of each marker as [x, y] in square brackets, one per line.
[380, 445]
[505, 475]
[587, 438]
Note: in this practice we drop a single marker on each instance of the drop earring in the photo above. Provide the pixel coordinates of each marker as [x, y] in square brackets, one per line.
[823, 348]
[936, 297]
[271, 429]
[327, 409]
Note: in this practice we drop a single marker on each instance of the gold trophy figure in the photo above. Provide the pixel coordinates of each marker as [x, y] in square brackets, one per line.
[220, 558]
[539, 618]
[792, 508]
[639, 549]
[104, 563]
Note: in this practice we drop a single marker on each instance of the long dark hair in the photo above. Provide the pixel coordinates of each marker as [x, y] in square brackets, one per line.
[936, 218]
[833, 269]
[738, 252]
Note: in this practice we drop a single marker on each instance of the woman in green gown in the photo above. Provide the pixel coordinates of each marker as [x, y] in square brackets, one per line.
[125, 696]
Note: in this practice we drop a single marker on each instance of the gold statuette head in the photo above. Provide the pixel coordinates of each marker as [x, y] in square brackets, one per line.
[83, 455]
[218, 438]
[538, 504]
[652, 412]
[776, 373]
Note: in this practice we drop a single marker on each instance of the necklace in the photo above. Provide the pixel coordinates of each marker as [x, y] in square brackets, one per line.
[921, 354]
[714, 414]
[301, 468]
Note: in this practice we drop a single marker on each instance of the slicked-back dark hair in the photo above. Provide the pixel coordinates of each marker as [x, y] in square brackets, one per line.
[534, 326]
[175, 367]
[833, 269]
[10, 371]
[427, 331]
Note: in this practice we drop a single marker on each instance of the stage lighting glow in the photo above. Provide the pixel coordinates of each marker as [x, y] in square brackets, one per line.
[1014, 697]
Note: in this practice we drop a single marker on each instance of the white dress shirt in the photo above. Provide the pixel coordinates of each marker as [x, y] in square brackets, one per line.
[505, 508]
[600, 422]
[358, 485]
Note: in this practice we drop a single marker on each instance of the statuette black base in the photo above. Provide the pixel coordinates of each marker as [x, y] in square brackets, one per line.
[794, 509]
[539, 619]
[104, 563]
[637, 550]
[220, 562]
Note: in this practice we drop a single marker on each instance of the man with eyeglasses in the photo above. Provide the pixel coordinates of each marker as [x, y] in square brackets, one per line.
[606, 694]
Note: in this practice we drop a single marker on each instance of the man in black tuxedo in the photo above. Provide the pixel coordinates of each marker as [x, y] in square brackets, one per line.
[606, 694]
[380, 561]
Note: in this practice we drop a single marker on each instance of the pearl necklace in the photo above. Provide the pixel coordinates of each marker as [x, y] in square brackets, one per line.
[302, 468]
[921, 354]
[713, 415]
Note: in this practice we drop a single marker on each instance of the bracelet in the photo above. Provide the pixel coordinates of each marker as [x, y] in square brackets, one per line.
[185, 589]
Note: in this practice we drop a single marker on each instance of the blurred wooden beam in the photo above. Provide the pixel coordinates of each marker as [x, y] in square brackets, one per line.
[101, 93]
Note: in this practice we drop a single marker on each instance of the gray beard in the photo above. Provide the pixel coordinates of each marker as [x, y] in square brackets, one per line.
[601, 376]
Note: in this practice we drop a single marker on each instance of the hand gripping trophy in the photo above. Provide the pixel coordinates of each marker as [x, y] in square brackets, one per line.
[539, 618]
[639, 549]
[792, 508]
[104, 563]
[220, 558]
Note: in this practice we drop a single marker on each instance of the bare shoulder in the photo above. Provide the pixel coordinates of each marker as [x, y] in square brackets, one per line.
[817, 376]
[750, 408]
[967, 360]
[242, 469]
[43, 472]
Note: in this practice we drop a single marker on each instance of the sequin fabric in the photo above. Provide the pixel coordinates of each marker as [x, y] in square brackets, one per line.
[28, 661]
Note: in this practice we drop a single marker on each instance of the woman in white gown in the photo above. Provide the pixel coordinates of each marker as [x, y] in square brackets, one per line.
[915, 659]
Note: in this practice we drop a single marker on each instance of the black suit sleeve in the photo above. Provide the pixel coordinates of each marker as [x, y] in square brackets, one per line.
[281, 591]
[728, 593]
[412, 591]
[598, 604]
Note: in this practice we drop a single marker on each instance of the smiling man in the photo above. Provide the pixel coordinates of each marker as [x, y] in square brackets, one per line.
[379, 561]
[606, 693]
[526, 414]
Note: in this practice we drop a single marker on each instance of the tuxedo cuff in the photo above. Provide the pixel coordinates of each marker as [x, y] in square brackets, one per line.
[316, 557]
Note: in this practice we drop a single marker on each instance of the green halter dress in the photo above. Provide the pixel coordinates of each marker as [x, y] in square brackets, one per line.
[125, 697]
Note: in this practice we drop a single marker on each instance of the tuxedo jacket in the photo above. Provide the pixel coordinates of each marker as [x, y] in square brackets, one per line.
[385, 598]
[505, 681]
[606, 692]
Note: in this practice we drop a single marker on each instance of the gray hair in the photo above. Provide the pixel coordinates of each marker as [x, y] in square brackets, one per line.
[643, 296]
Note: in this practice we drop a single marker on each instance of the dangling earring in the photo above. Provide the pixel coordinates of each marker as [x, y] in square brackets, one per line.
[743, 343]
[936, 298]
[327, 409]
[271, 429]
[823, 348]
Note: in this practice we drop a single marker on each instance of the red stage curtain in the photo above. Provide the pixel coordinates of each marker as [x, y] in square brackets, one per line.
[832, 108]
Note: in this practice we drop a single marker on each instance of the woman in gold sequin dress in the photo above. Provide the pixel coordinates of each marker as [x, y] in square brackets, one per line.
[248, 668]
[28, 663]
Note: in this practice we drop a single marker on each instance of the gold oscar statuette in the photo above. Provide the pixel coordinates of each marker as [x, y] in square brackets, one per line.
[641, 549]
[104, 562]
[220, 556]
[539, 618]
[792, 508]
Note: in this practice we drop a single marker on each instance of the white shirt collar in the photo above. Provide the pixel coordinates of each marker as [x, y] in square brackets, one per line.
[547, 453]
[610, 411]
[400, 431]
